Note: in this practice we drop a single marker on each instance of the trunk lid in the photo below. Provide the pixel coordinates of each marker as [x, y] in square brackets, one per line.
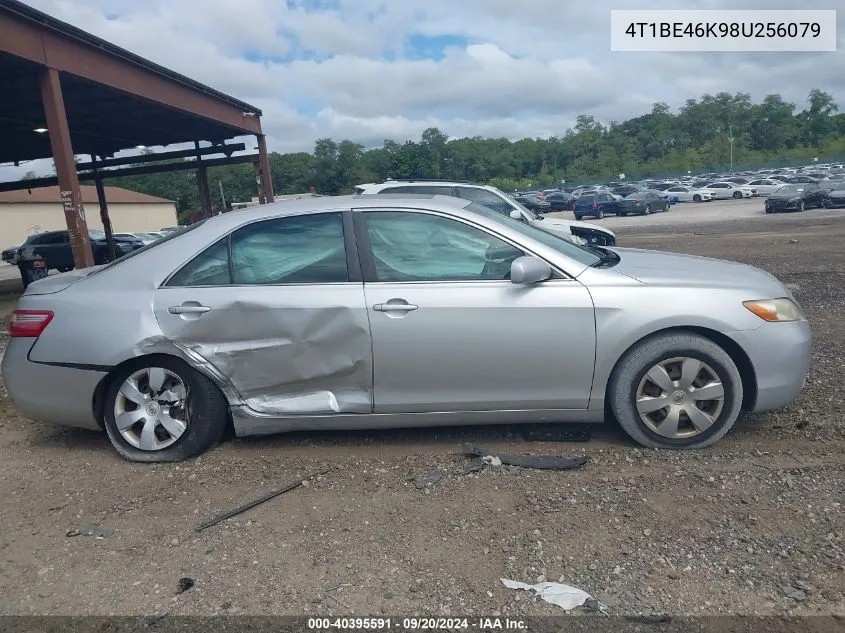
[57, 283]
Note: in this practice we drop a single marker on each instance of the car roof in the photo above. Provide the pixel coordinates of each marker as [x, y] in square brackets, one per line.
[323, 204]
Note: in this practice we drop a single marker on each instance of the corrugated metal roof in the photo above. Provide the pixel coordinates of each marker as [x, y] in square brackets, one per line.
[89, 195]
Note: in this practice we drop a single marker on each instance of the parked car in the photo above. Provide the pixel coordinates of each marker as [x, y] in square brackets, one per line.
[560, 201]
[766, 186]
[54, 248]
[534, 202]
[737, 180]
[691, 194]
[10, 255]
[796, 197]
[726, 190]
[143, 237]
[335, 331]
[794, 180]
[595, 205]
[642, 203]
[835, 198]
[579, 232]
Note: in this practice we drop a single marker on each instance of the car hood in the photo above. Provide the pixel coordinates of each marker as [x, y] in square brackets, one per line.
[661, 268]
[558, 225]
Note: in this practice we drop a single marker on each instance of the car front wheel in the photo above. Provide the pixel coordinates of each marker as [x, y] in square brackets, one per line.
[737, 195]
[676, 391]
[159, 409]
[696, 198]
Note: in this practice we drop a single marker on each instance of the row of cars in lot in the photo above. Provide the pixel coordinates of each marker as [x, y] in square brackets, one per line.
[51, 250]
[794, 189]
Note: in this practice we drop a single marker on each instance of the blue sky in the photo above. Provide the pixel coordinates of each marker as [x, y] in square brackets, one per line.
[369, 70]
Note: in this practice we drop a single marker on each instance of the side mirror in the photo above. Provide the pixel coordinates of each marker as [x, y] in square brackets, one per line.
[529, 270]
[516, 215]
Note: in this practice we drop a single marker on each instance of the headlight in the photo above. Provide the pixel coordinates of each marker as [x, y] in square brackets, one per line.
[782, 309]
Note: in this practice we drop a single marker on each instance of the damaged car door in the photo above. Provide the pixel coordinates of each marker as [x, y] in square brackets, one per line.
[451, 332]
[276, 308]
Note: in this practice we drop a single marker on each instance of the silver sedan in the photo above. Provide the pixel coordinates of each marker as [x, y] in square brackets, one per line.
[374, 311]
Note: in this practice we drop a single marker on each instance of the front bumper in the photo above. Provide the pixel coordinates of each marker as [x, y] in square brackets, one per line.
[783, 206]
[780, 354]
[59, 395]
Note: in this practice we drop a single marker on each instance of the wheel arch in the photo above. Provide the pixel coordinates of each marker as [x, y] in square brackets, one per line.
[99, 396]
[731, 347]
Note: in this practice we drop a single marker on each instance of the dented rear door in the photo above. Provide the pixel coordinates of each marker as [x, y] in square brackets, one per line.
[278, 309]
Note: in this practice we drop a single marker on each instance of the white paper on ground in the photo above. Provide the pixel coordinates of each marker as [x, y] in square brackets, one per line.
[556, 593]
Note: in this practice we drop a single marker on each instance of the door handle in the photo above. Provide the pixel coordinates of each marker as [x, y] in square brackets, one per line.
[188, 309]
[394, 307]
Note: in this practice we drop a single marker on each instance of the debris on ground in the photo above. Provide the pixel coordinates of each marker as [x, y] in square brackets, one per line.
[97, 531]
[260, 500]
[545, 462]
[427, 479]
[556, 593]
[557, 433]
[185, 583]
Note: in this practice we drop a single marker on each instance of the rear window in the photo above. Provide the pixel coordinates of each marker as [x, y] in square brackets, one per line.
[587, 198]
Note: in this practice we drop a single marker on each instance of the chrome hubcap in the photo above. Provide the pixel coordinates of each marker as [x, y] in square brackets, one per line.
[150, 411]
[680, 397]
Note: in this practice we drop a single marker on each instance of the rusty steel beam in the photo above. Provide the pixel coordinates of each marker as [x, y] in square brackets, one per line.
[266, 181]
[104, 215]
[52, 181]
[228, 150]
[60, 52]
[56, 117]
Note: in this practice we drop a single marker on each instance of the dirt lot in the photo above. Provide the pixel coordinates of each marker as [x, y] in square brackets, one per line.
[755, 525]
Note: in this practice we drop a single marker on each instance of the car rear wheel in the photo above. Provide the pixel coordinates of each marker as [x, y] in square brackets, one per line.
[622, 214]
[578, 216]
[801, 206]
[737, 195]
[647, 210]
[600, 215]
[676, 391]
[162, 410]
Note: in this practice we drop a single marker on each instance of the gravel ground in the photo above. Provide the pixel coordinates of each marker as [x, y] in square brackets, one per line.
[753, 525]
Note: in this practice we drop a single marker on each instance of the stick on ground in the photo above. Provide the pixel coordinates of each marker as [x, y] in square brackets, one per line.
[270, 495]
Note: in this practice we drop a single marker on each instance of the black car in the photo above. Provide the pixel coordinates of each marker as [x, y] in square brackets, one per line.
[795, 197]
[54, 248]
[533, 202]
[560, 200]
[642, 202]
[835, 199]
[795, 180]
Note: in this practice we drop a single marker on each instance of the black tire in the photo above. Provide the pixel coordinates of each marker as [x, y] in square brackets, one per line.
[207, 407]
[737, 195]
[626, 376]
[578, 216]
[647, 210]
[768, 210]
[622, 214]
[801, 206]
[696, 198]
[600, 215]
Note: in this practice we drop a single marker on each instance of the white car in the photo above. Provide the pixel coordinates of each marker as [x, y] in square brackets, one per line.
[766, 186]
[690, 194]
[572, 230]
[726, 190]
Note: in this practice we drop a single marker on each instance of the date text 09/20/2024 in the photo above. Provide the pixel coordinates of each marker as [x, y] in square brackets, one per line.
[416, 624]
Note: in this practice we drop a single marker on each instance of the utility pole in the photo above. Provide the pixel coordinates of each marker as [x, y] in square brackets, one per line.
[731, 139]
[222, 197]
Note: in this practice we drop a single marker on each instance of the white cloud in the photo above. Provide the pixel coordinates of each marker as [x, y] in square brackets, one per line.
[527, 69]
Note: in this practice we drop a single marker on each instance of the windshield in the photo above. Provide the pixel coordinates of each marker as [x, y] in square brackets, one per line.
[560, 244]
[167, 237]
[96, 234]
[523, 210]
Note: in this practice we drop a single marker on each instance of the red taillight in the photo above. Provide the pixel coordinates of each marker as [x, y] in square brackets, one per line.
[595, 206]
[637, 203]
[28, 323]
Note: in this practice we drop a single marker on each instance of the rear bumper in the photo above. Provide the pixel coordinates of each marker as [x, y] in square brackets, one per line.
[780, 354]
[59, 395]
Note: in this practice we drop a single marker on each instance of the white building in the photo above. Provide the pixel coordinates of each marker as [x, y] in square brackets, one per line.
[29, 211]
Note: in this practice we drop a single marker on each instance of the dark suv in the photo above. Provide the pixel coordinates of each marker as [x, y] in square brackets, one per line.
[54, 248]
